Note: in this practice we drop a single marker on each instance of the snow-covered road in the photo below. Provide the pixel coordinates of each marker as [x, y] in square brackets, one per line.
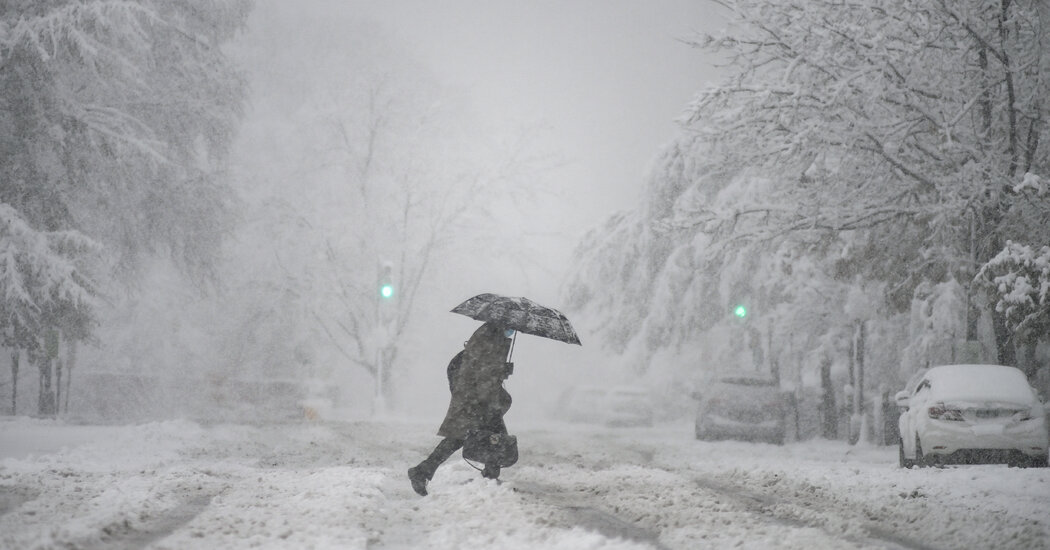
[179, 484]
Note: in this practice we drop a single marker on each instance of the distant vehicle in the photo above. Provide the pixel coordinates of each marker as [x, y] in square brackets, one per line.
[628, 406]
[612, 406]
[966, 414]
[742, 408]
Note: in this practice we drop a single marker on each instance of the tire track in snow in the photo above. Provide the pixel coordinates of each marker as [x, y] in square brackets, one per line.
[123, 535]
[590, 510]
[581, 514]
[784, 511]
[13, 496]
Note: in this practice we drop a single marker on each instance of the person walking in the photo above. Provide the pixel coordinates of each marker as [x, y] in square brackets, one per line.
[478, 402]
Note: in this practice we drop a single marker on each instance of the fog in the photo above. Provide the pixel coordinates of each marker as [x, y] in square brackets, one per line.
[448, 149]
[587, 93]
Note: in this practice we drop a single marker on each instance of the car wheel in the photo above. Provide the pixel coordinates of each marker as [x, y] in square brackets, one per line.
[920, 460]
[903, 462]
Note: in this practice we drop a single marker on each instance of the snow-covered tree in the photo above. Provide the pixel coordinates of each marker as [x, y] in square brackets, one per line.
[875, 149]
[916, 123]
[115, 121]
[43, 288]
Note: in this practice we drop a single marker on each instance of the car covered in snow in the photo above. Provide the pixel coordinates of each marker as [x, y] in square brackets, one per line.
[743, 408]
[964, 414]
[615, 406]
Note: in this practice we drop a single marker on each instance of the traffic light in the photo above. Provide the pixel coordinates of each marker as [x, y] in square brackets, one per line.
[740, 311]
[386, 282]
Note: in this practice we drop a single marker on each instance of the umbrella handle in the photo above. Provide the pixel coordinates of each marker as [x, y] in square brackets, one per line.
[512, 340]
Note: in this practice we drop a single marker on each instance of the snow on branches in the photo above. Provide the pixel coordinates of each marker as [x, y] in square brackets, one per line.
[879, 113]
[1033, 184]
[1019, 279]
[117, 121]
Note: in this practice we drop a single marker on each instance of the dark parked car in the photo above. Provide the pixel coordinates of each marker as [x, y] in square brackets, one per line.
[742, 408]
[611, 406]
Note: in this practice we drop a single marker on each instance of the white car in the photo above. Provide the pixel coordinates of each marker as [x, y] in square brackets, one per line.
[971, 414]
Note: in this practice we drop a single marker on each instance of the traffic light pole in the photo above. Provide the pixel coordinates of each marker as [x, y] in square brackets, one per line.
[379, 404]
[384, 301]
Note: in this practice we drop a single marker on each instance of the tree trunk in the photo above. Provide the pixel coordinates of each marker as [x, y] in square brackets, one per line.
[1011, 93]
[46, 400]
[71, 359]
[972, 312]
[1004, 343]
[774, 363]
[828, 422]
[15, 356]
[861, 338]
[50, 370]
[857, 424]
[58, 383]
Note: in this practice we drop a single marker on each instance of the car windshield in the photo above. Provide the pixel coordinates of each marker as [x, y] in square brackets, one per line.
[979, 383]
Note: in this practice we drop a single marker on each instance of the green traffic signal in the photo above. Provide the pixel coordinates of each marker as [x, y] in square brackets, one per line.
[740, 311]
[387, 291]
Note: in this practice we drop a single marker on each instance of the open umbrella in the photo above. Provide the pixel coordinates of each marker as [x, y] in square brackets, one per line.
[520, 314]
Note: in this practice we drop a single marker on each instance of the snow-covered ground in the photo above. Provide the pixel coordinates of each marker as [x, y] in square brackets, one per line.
[180, 484]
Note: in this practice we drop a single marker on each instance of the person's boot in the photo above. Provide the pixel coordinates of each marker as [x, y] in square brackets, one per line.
[419, 480]
[490, 472]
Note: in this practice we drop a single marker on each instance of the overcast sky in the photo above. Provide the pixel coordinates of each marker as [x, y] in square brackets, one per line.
[607, 78]
[598, 83]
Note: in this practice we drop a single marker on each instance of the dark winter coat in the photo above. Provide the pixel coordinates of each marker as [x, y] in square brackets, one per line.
[476, 382]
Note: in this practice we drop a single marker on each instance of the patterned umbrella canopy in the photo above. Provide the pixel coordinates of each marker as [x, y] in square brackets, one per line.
[520, 314]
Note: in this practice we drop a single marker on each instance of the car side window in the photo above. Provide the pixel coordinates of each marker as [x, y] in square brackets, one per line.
[923, 386]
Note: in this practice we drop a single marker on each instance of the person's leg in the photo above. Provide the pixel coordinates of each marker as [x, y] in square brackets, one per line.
[440, 454]
[424, 472]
